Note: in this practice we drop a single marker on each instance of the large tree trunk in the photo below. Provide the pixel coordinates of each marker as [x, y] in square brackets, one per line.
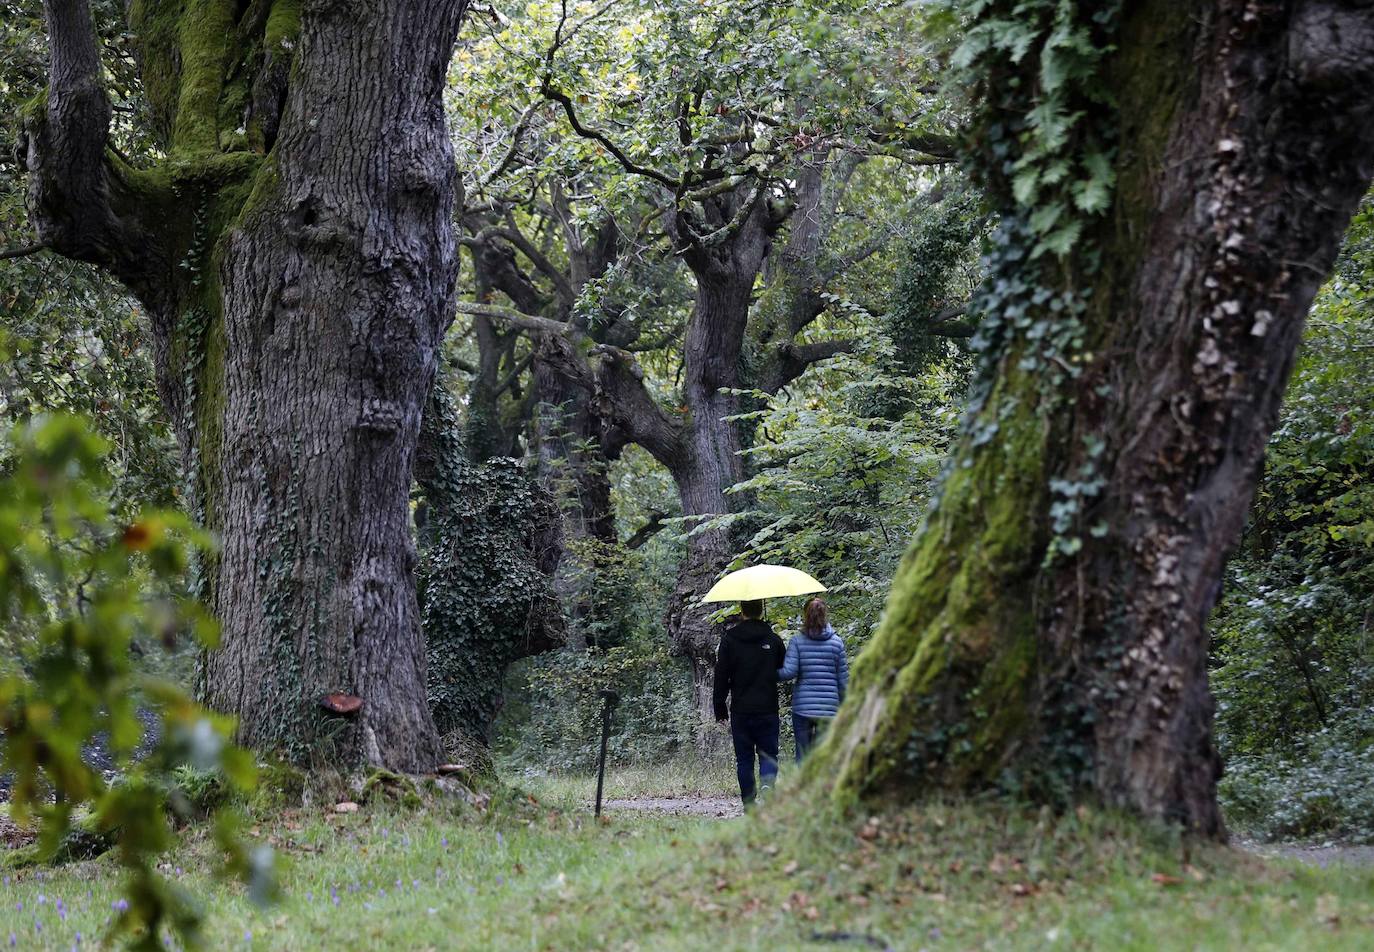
[296, 252]
[709, 462]
[1047, 629]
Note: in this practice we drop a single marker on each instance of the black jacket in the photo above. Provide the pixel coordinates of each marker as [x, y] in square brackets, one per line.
[747, 664]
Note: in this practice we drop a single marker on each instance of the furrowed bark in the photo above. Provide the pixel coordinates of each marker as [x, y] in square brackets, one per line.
[709, 461]
[1245, 144]
[297, 258]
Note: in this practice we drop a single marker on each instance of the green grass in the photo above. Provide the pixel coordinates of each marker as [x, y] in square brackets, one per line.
[542, 877]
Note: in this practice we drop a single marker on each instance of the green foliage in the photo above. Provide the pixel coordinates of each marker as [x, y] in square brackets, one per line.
[836, 489]
[600, 579]
[77, 344]
[939, 273]
[553, 717]
[1033, 68]
[614, 597]
[482, 579]
[77, 587]
[1293, 637]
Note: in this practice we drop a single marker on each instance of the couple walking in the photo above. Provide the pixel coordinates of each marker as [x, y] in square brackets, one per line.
[750, 662]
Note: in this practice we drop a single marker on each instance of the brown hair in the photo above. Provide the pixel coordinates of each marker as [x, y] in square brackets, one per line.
[814, 617]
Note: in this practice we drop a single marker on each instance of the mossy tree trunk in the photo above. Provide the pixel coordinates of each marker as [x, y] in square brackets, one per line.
[296, 254]
[1046, 631]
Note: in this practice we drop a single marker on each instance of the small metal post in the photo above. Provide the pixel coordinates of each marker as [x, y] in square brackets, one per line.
[609, 700]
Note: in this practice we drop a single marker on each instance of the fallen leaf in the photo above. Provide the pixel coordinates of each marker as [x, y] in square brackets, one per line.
[1164, 879]
[790, 868]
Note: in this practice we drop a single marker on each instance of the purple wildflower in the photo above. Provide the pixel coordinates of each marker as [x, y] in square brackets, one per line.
[309, 897]
[443, 841]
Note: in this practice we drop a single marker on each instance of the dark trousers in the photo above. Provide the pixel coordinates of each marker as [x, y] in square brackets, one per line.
[805, 730]
[754, 734]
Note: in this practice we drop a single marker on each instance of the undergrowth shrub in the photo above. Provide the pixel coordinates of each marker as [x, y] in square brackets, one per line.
[1325, 789]
[552, 718]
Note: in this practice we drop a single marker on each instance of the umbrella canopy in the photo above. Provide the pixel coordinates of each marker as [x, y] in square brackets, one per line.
[762, 581]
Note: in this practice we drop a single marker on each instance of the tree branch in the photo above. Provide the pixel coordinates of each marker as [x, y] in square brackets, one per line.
[647, 531]
[526, 322]
[547, 90]
[21, 252]
[615, 379]
[794, 359]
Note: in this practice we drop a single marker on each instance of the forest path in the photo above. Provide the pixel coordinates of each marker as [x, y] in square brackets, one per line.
[703, 805]
[1321, 856]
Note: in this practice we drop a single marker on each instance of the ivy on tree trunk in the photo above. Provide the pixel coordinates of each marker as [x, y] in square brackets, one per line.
[1046, 631]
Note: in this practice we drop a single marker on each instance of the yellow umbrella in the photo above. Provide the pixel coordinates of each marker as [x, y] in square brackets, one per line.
[762, 581]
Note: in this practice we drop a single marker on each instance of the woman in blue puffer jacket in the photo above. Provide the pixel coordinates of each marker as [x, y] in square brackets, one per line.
[816, 659]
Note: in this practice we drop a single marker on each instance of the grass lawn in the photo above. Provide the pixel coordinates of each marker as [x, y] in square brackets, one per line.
[544, 875]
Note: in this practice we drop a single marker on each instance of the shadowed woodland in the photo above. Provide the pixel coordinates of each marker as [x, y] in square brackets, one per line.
[385, 384]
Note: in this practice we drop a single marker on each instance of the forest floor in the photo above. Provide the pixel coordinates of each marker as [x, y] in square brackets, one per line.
[537, 872]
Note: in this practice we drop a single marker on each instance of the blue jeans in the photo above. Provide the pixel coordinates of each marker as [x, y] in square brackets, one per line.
[754, 734]
[805, 730]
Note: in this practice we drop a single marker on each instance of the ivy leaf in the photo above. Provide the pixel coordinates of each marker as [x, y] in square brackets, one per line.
[1061, 242]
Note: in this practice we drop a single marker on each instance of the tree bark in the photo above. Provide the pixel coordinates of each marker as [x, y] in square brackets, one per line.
[297, 256]
[709, 462]
[1246, 139]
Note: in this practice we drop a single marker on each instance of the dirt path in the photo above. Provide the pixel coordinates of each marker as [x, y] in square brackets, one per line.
[704, 806]
[1322, 856]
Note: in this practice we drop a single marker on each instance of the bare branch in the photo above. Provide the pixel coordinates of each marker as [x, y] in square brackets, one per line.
[516, 135]
[526, 322]
[548, 90]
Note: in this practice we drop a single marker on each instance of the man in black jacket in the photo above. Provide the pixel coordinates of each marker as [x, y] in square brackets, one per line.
[747, 663]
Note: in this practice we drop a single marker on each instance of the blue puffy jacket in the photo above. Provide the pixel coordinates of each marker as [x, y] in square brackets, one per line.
[822, 672]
